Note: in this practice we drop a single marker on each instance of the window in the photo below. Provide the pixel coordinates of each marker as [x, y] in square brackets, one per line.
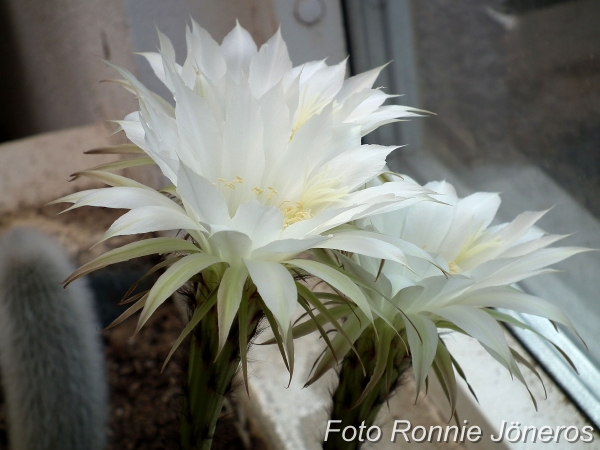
[516, 89]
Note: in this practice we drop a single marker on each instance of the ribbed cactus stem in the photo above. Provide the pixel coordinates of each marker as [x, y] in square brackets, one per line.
[50, 349]
[210, 377]
[352, 383]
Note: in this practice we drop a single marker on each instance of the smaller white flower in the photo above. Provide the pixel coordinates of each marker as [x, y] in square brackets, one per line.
[483, 263]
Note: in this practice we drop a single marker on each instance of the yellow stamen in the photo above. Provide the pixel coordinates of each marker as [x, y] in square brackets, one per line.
[454, 269]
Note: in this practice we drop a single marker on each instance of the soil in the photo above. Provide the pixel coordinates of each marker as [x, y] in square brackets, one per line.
[145, 403]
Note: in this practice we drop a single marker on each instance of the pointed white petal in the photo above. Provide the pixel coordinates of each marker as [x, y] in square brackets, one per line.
[479, 325]
[150, 218]
[365, 244]
[231, 246]
[358, 83]
[510, 298]
[358, 165]
[284, 249]
[337, 280]
[127, 198]
[173, 278]
[204, 199]
[512, 270]
[531, 246]
[228, 299]
[277, 289]
[423, 346]
[243, 135]
[269, 65]
[198, 131]
[359, 107]
[238, 47]
[156, 63]
[262, 224]
[72, 198]
[207, 54]
[134, 130]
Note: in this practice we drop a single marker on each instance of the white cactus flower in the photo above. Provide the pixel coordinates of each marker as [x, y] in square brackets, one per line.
[266, 162]
[482, 261]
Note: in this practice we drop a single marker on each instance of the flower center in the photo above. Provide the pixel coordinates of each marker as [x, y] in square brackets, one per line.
[318, 194]
[474, 244]
[294, 213]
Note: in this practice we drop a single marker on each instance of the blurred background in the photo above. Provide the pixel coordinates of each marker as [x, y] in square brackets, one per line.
[514, 84]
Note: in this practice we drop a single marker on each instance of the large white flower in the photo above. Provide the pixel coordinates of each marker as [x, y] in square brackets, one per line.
[483, 262]
[266, 162]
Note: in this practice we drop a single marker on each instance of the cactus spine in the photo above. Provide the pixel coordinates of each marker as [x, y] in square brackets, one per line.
[50, 350]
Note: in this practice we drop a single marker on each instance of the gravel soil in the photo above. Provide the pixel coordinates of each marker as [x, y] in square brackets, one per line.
[145, 403]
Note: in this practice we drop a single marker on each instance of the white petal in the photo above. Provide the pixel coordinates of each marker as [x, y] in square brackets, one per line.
[277, 289]
[238, 47]
[150, 218]
[364, 244]
[387, 114]
[231, 246]
[337, 280]
[472, 213]
[516, 229]
[72, 198]
[510, 298]
[156, 63]
[531, 246]
[229, 297]
[284, 249]
[162, 140]
[173, 278]
[276, 119]
[134, 130]
[125, 197]
[358, 165]
[358, 83]
[243, 154]
[479, 325]
[324, 83]
[359, 107]
[202, 197]
[207, 53]
[423, 346]
[198, 131]
[269, 65]
[262, 224]
[304, 152]
[513, 270]
[427, 224]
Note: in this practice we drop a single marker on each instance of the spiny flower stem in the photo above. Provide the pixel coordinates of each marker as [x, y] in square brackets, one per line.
[210, 377]
[352, 384]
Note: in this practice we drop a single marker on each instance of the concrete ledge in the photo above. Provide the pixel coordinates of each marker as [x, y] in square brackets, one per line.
[35, 170]
[295, 418]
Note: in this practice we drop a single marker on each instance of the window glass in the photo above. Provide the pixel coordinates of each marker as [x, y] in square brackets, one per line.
[515, 85]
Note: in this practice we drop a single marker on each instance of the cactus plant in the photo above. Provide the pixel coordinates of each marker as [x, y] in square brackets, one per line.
[50, 350]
